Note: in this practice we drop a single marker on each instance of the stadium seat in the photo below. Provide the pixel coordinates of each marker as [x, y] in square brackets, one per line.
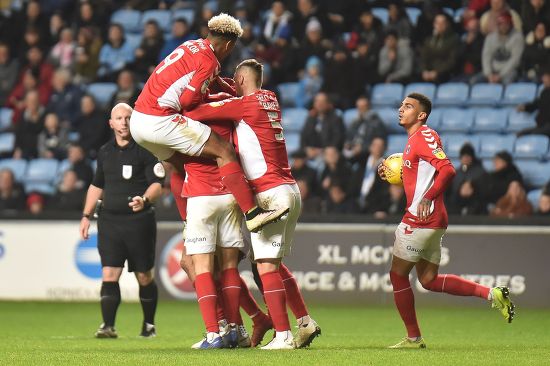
[292, 140]
[519, 93]
[518, 121]
[435, 118]
[381, 13]
[133, 39]
[349, 116]
[535, 173]
[491, 144]
[456, 120]
[452, 143]
[428, 89]
[73, 136]
[6, 115]
[452, 94]
[396, 144]
[458, 15]
[533, 197]
[540, 89]
[41, 171]
[7, 143]
[531, 147]
[288, 93]
[490, 120]
[488, 164]
[293, 119]
[129, 19]
[63, 166]
[162, 17]
[485, 94]
[384, 95]
[102, 92]
[17, 166]
[391, 120]
[44, 188]
[187, 14]
[413, 14]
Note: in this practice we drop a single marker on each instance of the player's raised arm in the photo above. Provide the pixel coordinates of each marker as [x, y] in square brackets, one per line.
[228, 109]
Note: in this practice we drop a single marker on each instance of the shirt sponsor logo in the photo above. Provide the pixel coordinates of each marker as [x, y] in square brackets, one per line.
[87, 258]
[195, 240]
[412, 249]
[276, 244]
[126, 171]
[173, 278]
[439, 153]
[159, 171]
[407, 163]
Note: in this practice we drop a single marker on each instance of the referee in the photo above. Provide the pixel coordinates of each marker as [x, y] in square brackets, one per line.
[128, 180]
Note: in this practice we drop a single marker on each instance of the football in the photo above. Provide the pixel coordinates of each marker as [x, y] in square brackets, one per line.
[393, 167]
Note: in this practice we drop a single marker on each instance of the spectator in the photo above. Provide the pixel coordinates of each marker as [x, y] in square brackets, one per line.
[8, 72]
[395, 60]
[396, 205]
[439, 53]
[91, 127]
[470, 50]
[424, 23]
[180, 34]
[29, 127]
[489, 19]
[313, 44]
[57, 24]
[80, 165]
[278, 21]
[301, 171]
[338, 81]
[280, 56]
[31, 38]
[336, 172]
[53, 140]
[363, 130]
[368, 31]
[398, 21]
[502, 52]
[310, 83]
[12, 196]
[87, 18]
[147, 54]
[69, 197]
[29, 81]
[323, 128]
[35, 203]
[514, 203]
[311, 204]
[339, 202]
[244, 49]
[63, 53]
[537, 53]
[115, 55]
[87, 55]
[534, 12]
[35, 18]
[542, 105]
[65, 99]
[543, 207]
[127, 91]
[306, 12]
[365, 65]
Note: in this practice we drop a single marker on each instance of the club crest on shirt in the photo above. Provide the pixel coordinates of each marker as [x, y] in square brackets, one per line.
[216, 104]
[439, 153]
[159, 171]
[126, 171]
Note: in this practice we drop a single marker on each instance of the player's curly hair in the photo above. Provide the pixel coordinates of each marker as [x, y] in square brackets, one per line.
[224, 25]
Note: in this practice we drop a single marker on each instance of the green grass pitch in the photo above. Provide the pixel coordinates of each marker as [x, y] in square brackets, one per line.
[37, 333]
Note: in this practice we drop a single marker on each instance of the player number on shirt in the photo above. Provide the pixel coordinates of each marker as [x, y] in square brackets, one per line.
[170, 59]
[275, 123]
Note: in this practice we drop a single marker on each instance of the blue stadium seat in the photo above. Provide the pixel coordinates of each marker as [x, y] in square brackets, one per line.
[5, 118]
[292, 140]
[456, 120]
[396, 144]
[102, 92]
[7, 143]
[531, 147]
[187, 14]
[384, 95]
[381, 13]
[491, 144]
[452, 143]
[540, 89]
[17, 166]
[452, 94]
[535, 173]
[458, 15]
[288, 93]
[488, 164]
[490, 120]
[349, 116]
[129, 19]
[428, 89]
[44, 188]
[413, 14]
[519, 93]
[41, 171]
[533, 197]
[133, 39]
[63, 166]
[293, 119]
[485, 94]
[449, 11]
[518, 121]
[390, 117]
[162, 17]
[73, 136]
[435, 118]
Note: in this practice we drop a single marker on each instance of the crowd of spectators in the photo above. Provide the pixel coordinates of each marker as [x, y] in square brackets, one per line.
[336, 50]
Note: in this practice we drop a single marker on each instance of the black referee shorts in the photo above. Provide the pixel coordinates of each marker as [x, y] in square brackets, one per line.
[129, 237]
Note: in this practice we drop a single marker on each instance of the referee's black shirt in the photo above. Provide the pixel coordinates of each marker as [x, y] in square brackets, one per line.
[125, 172]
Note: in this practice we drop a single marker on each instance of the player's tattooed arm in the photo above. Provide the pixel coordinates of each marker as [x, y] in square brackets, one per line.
[423, 210]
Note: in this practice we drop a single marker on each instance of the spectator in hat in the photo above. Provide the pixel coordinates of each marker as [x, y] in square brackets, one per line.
[310, 82]
[489, 19]
[35, 203]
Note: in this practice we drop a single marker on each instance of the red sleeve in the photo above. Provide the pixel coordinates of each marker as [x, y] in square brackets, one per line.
[431, 150]
[442, 181]
[217, 97]
[194, 92]
[229, 109]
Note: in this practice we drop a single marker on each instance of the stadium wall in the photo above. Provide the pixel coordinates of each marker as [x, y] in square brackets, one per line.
[334, 263]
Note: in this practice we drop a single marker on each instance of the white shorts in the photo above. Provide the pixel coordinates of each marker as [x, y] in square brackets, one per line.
[413, 244]
[275, 240]
[212, 221]
[164, 135]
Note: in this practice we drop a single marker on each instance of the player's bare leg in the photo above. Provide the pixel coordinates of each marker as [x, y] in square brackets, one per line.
[110, 300]
[148, 297]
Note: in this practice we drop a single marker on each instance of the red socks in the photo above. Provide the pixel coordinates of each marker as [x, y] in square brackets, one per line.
[207, 298]
[233, 178]
[249, 304]
[404, 300]
[456, 285]
[230, 283]
[293, 295]
[275, 298]
[176, 185]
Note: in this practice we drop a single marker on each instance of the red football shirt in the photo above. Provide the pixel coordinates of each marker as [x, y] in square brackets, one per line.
[422, 158]
[180, 81]
[259, 136]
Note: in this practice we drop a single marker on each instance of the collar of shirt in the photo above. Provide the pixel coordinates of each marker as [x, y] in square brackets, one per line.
[117, 146]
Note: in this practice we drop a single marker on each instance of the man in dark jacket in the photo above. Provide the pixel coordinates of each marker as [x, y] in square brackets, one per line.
[439, 54]
[542, 105]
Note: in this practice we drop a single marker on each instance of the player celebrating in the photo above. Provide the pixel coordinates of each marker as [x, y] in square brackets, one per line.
[177, 85]
[263, 154]
[427, 172]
